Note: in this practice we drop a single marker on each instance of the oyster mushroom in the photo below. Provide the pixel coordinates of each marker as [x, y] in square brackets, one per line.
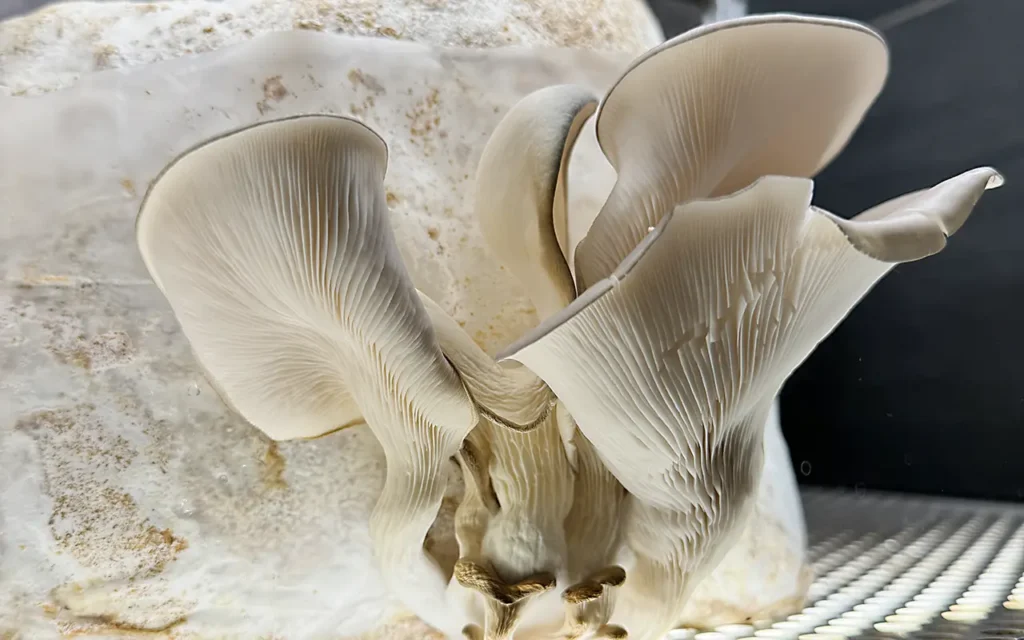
[521, 191]
[708, 276]
[710, 111]
[533, 473]
[671, 364]
[519, 481]
[706, 279]
[589, 605]
[273, 247]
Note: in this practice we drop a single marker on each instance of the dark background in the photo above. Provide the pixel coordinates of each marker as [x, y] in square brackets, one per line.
[14, 7]
[921, 389]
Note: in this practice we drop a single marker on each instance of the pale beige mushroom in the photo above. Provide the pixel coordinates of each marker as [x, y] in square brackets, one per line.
[589, 604]
[518, 474]
[523, 453]
[693, 310]
[593, 527]
[670, 364]
[521, 191]
[504, 600]
[272, 245]
[710, 111]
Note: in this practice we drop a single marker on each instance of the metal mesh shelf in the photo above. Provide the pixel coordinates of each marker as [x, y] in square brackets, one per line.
[892, 567]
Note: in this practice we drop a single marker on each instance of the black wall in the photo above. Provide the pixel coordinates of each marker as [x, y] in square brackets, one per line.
[10, 8]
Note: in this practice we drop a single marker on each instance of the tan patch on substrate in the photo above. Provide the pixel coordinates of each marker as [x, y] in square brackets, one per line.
[273, 468]
[104, 626]
[92, 519]
[722, 613]
[113, 348]
[401, 627]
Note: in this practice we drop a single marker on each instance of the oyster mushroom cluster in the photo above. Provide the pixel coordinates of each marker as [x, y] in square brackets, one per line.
[611, 455]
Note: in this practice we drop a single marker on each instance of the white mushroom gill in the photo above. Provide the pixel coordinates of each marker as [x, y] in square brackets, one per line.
[634, 434]
[273, 246]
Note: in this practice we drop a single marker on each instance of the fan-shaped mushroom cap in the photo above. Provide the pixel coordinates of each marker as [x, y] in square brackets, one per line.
[917, 224]
[711, 111]
[273, 247]
[521, 191]
[706, 318]
[670, 364]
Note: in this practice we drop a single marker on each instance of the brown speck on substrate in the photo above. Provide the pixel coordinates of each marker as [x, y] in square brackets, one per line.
[358, 78]
[103, 54]
[391, 198]
[273, 468]
[106, 625]
[128, 186]
[75, 357]
[273, 89]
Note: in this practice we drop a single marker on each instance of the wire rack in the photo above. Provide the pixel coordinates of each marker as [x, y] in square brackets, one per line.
[891, 567]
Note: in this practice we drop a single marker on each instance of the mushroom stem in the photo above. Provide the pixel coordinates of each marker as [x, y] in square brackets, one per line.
[406, 510]
[520, 487]
[589, 605]
[675, 549]
[504, 601]
[533, 483]
[592, 528]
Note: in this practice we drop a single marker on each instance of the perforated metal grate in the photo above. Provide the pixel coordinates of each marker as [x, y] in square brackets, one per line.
[908, 568]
